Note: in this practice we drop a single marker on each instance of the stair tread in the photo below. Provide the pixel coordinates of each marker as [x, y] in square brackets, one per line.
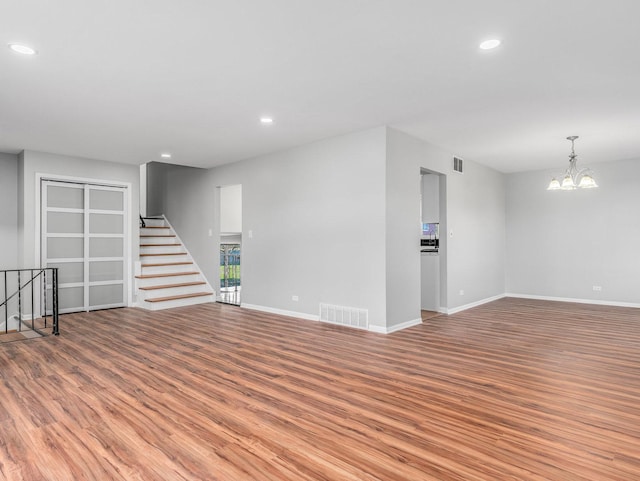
[165, 254]
[168, 274]
[161, 264]
[181, 296]
[159, 245]
[167, 286]
[155, 227]
[157, 235]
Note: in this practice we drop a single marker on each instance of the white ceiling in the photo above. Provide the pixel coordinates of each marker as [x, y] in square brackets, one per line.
[125, 80]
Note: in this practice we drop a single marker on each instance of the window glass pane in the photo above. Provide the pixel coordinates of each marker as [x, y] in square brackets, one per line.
[102, 295]
[68, 272]
[106, 199]
[71, 298]
[105, 224]
[65, 247]
[67, 197]
[65, 223]
[105, 271]
[106, 247]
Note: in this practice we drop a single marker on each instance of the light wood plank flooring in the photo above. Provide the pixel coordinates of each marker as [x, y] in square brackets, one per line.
[512, 390]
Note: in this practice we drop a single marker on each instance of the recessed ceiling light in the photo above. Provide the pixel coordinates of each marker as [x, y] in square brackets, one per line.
[489, 44]
[165, 156]
[266, 120]
[23, 49]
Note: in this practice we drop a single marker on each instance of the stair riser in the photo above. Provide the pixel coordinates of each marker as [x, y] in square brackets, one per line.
[161, 281]
[171, 291]
[166, 269]
[154, 222]
[161, 249]
[147, 231]
[161, 259]
[159, 240]
[157, 306]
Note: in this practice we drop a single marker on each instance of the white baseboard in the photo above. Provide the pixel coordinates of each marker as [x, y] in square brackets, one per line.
[281, 312]
[473, 304]
[311, 317]
[570, 299]
[397, 327]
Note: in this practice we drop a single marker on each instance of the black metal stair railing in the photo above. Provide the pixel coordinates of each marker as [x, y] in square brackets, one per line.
[29, 285]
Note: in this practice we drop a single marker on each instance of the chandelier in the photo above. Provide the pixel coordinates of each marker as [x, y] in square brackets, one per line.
[573, 177]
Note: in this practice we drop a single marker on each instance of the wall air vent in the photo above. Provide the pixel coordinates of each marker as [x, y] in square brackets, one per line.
[344, 316]
[457, 164]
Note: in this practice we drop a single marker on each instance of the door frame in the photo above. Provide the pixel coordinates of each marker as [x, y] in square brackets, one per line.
[128, 234]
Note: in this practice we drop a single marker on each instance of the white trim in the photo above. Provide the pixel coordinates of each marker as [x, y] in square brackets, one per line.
[104, 283]
[65, 260]
[570, 299]
[395, 328]
[105, 236]
[473, 304]
[281, 312]
[63, 236]
[312, 317]
[105, 212]
[67, 210]
[68, 285]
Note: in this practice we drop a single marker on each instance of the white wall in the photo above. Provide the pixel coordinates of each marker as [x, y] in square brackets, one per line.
[316, 214]
[8, 211]
[430, 198]
[562, 243]
[338, 221]
[231, 208]
[156, 185]
[473, 258]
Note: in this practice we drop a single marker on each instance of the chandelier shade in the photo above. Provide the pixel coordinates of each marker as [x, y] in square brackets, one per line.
[573, 178]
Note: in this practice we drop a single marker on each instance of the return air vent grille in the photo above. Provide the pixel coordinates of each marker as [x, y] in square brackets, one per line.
[344, 316]
[457, 164]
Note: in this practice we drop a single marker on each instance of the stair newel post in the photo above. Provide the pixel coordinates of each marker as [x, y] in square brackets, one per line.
[19, 303]
[54, 298]
[6, 305]
[44, 295]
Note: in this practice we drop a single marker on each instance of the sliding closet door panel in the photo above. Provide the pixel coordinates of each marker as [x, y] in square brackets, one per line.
[106, 224]
[65, 222]
[84, 231]
[106, 200]
[69, 272]
[105, 271]
[105, 295]
[106, 261]
[70, 299]
[65, 197]
[63, 229]
[106, 247]
[65, 247]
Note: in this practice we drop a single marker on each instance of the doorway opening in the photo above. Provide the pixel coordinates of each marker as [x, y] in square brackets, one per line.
[230, 274]
[230, 243]
[433, 243]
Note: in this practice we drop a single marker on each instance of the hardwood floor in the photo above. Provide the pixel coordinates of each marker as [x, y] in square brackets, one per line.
[512, 390]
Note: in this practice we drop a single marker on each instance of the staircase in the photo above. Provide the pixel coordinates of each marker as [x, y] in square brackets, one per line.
[168, 275]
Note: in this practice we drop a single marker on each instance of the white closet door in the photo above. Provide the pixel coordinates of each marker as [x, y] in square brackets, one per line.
[83, 234]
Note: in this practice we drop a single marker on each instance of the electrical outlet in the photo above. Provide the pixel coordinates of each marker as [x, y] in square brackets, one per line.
[597, 288]
[462, 292]
[294, 298]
